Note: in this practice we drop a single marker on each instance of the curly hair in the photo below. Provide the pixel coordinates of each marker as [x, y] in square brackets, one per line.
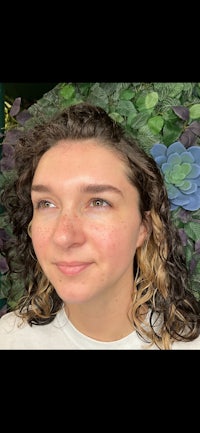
[160, 272]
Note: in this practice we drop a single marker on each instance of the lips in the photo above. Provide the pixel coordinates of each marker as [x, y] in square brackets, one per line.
[72, 268]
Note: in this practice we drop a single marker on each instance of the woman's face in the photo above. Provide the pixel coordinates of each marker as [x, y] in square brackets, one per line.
[86, 222]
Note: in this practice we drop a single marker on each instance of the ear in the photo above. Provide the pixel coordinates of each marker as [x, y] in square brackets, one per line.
[29, 229]
[145, 229]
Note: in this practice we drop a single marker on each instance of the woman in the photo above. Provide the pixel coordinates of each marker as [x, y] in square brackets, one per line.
[102, 263]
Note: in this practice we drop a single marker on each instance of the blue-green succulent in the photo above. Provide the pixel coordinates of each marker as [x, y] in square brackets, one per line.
[181, 171]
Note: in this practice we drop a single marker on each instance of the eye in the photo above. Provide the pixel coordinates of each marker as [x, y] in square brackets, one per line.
[44, 204]
[99, 202]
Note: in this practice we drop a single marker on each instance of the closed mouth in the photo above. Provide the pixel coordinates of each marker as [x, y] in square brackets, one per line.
[72, 268]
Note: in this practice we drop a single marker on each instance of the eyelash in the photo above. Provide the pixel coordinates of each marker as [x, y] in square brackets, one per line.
[42, 204]
[100, 200]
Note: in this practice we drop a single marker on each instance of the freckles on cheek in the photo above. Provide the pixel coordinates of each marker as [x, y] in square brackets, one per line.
[39, 236]
[119, 243]
[108, 240]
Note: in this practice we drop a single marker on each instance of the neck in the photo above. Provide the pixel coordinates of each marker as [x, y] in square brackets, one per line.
[108, 323]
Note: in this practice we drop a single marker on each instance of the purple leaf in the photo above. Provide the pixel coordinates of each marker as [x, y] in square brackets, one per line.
[7, 150]
[23, 117]
[183, 236]
[195, 127]
[3, 265]
[15, 107]
[181, 112]
[188, 138]
[12, 136]
[3, 237]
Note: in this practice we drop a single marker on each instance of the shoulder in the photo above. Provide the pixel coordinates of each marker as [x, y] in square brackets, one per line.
[10, 322]
[16, 333]
[190, 345]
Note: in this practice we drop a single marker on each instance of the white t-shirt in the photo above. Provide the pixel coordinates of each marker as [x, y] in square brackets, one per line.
[60, 334]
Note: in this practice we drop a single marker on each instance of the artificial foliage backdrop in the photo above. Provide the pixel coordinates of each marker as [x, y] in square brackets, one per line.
[163, 117]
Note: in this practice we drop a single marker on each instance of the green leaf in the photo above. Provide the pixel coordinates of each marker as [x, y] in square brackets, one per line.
[116, 117]
[188, 255]
[125, 108]
[192, 229]
[155, 124]
[195, 111]
[67, 91]
[171, 132]
[146, 138]
[140, 120]
[98, 96]
[175, 89]
[147, 101]
[131, 116]
[151, 100]
[83, 88]
[127, 94]
[198, 268]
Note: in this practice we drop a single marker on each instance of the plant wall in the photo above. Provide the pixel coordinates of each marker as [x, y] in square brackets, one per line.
[163, 117]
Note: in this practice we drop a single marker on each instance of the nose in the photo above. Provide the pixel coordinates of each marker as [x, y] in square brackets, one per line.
[69, 231]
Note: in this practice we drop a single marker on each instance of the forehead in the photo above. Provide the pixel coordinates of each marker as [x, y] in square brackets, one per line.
[76, 165]
[79, 155]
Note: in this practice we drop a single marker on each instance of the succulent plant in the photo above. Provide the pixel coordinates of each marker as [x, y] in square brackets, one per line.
[181, 171]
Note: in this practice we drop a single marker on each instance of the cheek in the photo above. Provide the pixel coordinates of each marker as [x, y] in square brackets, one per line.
[40, 237]
[107, 241]
[126, 239]
[117, 243]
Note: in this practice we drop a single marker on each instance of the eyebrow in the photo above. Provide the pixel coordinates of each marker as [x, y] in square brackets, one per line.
[96, 188]
[88, 188]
